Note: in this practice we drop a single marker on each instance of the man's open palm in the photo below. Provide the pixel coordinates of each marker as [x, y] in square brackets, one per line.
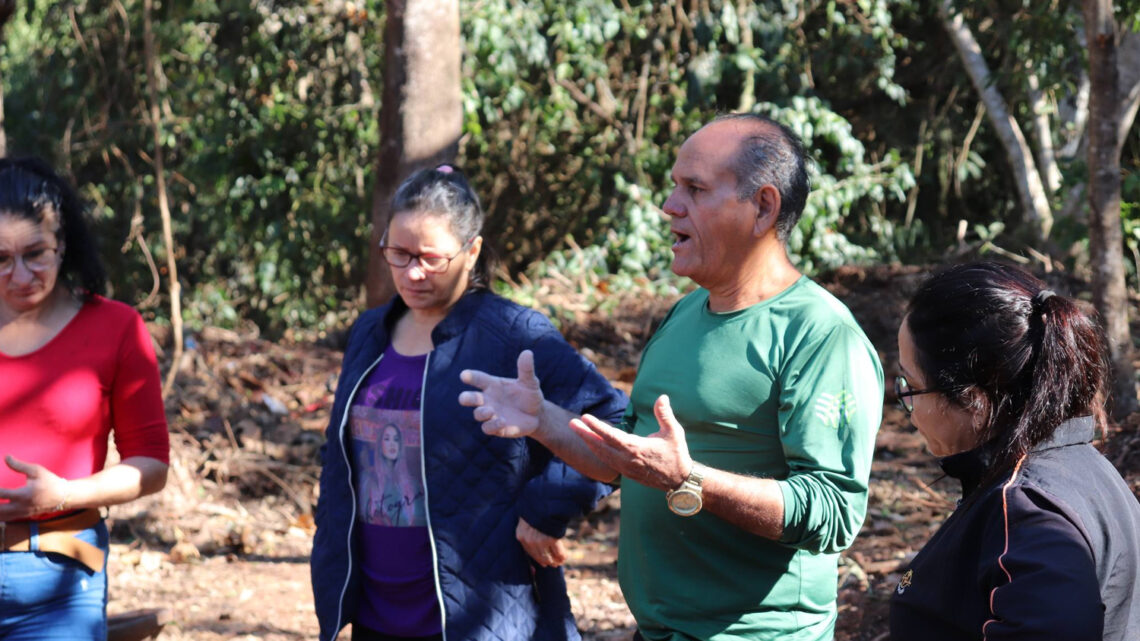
[507, 407]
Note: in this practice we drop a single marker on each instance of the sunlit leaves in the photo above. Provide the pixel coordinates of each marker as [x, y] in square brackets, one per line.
[270, 120]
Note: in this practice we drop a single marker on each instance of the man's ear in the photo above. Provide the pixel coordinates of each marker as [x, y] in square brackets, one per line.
[767, 201]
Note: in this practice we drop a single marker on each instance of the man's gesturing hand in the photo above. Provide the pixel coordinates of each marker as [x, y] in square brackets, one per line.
[508, 407]
[660, 460]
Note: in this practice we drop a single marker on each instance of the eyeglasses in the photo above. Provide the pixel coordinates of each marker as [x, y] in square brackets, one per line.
[431, 263]
[903, 391]
[36, 260]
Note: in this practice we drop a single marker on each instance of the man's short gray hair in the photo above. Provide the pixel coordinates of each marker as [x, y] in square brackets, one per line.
[772, 155]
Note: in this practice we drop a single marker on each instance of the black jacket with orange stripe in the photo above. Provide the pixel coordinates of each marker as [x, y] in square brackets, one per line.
[1049, 553]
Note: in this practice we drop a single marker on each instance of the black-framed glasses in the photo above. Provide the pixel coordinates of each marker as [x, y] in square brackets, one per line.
[431, 263]
[36, 260]
[904, 392]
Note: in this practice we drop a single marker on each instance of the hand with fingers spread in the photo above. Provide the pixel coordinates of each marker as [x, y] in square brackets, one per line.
[507, 407]
[546, 550]
[660, 460]
[42, 492]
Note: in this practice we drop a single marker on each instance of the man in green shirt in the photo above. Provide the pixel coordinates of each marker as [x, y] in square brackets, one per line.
[746, 448]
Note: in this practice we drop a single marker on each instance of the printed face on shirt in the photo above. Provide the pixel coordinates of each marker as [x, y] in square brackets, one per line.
[429, 233]
[390, 442]
[946, 427]
[35, 251]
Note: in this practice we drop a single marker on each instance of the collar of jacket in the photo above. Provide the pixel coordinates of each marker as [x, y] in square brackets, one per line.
[970, 466]
[453, 324]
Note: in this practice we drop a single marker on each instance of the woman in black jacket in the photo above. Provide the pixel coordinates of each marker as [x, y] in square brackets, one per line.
[1006, 382]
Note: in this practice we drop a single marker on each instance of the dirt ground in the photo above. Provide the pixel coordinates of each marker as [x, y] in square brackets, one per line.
[225, 547]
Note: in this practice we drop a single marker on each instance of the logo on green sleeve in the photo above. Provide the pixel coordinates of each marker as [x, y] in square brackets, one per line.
[833, 409]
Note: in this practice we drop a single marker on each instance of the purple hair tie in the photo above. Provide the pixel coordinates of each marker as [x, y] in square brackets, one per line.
[445, 169]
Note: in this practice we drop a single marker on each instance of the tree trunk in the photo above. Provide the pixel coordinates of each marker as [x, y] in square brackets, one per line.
[421, 116]
[7, 9]
[748, 86]
[151, 62]
[1106, 241]
[1128, 65]
[1030, 189]
[1046, 157]
[1128, 68]
[1073, 122]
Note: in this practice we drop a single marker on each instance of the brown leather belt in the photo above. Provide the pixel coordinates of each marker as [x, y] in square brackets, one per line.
[55, 535]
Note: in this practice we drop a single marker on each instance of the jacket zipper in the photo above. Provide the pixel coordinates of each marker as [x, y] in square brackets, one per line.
[427, 503]
[352, 491]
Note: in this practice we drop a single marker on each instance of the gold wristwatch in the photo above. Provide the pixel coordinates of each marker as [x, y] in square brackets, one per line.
[686, 500]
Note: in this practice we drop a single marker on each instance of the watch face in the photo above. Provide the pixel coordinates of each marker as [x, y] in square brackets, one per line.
[685, 502]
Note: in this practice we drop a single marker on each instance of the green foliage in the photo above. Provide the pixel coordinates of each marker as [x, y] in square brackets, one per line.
[845, 186]
[1019, 40]
[1130, 216]
[1130, 200]
[573, 112]
[270, 127]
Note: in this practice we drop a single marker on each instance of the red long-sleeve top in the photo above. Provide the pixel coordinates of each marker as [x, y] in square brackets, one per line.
[98, 376]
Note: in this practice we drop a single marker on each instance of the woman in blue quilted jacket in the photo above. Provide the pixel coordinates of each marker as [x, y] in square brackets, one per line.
[475, 550]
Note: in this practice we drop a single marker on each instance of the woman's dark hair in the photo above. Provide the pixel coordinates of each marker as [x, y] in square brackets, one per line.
[444, 191]
[30, 189]
[995, 341]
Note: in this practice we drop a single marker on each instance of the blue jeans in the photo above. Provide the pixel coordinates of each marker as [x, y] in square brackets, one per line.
[46, 596]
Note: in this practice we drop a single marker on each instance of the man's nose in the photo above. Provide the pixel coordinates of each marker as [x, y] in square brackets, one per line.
[672, 206]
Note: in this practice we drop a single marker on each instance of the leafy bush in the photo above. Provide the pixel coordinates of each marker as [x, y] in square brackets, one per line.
[270, 130]
[575, 112]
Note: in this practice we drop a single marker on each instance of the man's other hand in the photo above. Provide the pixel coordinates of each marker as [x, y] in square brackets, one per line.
[660, 460]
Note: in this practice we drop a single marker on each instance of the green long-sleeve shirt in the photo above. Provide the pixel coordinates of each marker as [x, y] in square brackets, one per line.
[789, 389]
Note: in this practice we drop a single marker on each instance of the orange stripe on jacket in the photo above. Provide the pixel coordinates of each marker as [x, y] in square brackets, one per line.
[1005, 525]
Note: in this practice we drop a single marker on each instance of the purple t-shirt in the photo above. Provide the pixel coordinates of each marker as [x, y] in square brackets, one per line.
[398, 580]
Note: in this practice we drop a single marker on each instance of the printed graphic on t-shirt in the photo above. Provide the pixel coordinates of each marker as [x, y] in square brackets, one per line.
[386, 443]
[833, 410]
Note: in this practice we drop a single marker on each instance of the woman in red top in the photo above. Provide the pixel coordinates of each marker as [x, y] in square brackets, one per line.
[74, 368]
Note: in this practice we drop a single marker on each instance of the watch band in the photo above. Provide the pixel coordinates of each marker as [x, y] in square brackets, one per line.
[687, 500]
[696, 476]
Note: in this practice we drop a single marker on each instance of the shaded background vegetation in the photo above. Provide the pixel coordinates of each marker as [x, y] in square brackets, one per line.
[572, 114]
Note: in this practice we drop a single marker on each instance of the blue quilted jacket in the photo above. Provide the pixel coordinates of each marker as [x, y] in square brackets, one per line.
[477, 486]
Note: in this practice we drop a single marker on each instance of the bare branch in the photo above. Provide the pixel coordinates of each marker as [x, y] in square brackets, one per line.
[1046, 158]
[1031, 190]
[163, 204]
